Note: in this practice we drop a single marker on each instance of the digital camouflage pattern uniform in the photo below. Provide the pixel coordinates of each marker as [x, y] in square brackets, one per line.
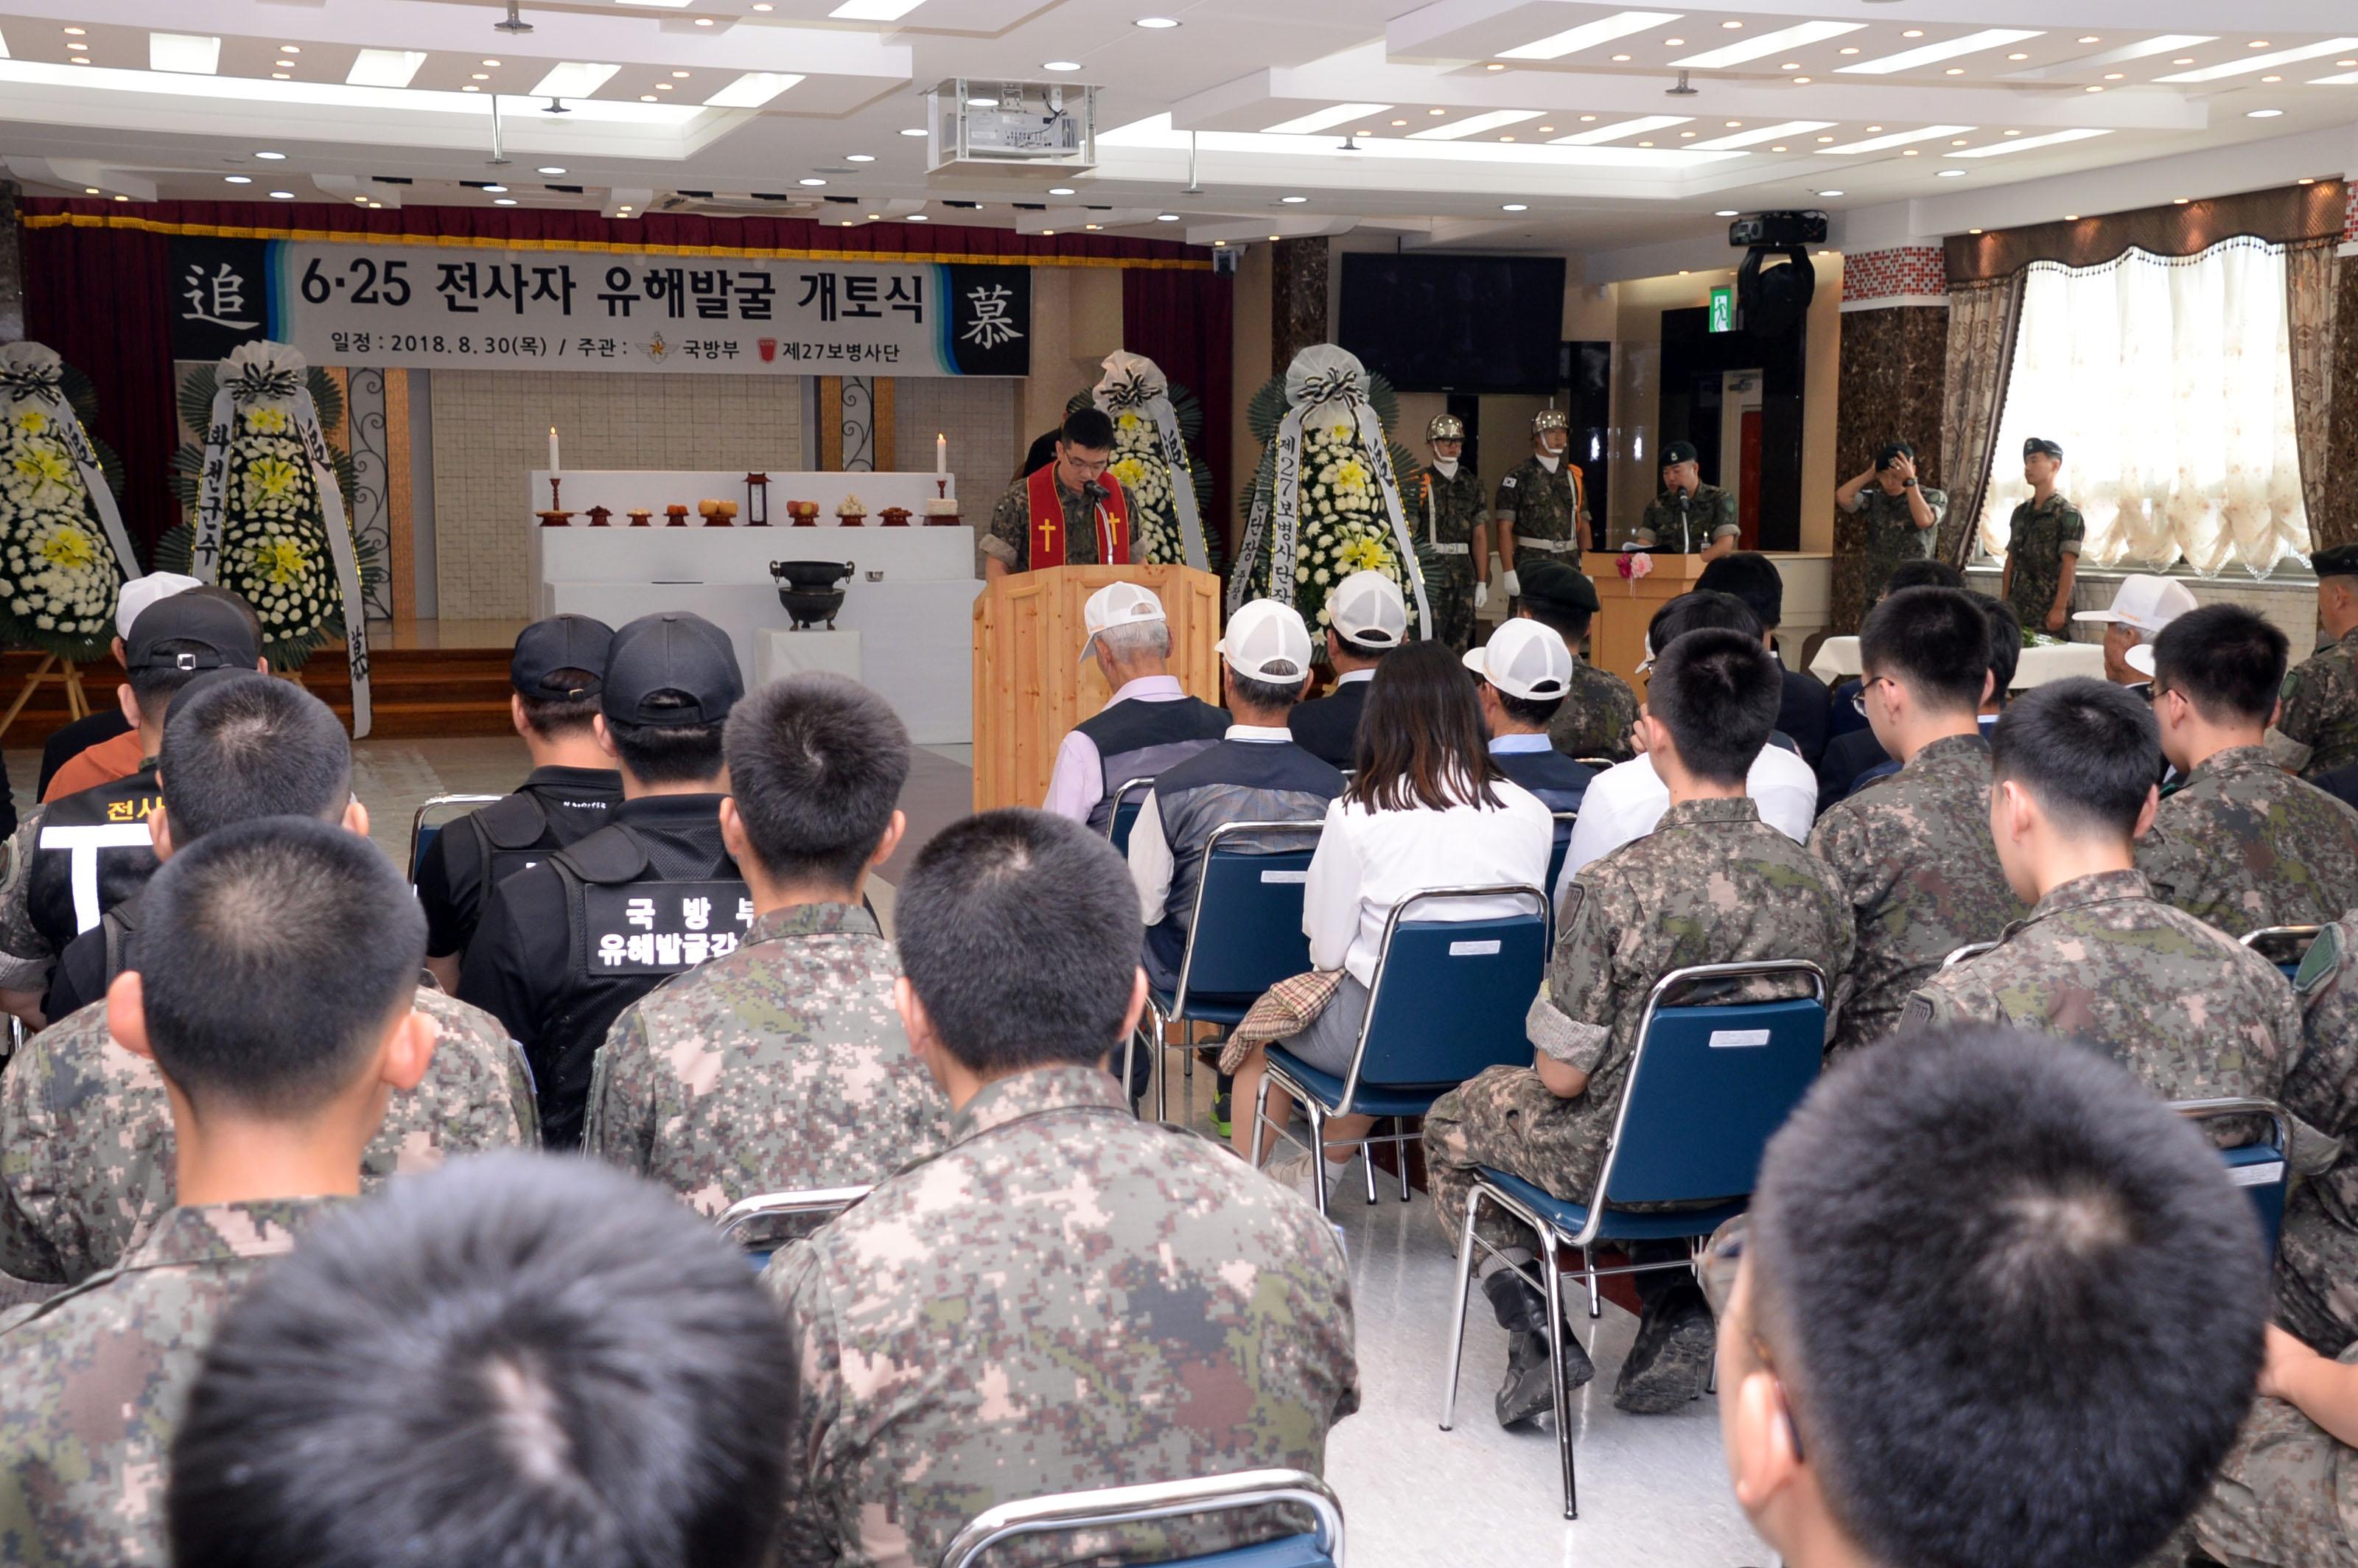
[86, 1134]
[98, 1377]
[1712, 884]
[1009, 538]
[1912, 853]
[1065, 1298]
[1709, 516]
[2243, 845]
[2188, 1009]
[2318, 730]
[1892, 536]
[1442, 515]
[2316, 1255]
[1544, 511]
[2287, 1496]
[1596, 717]
[25, 955]
[2037, 540]
[780, 1067]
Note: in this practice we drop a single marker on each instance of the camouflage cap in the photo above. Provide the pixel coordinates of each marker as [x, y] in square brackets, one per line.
[1550, 419]
[1445, 428]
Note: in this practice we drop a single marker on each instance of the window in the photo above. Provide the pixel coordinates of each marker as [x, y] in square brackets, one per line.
[2168, 381]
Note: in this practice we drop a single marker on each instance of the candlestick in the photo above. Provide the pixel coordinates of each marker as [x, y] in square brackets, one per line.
[941, 454]
[554, 484]
[555, 468]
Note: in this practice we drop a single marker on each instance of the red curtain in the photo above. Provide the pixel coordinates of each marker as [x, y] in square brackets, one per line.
[100, 297]
[1181, 322]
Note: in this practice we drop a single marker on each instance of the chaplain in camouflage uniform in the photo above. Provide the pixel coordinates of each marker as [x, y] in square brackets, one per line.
[1066, 1297]
[1541, 507]
[1689, 517]
[2317, 1256]
[1902, 516]
[2042, 544]
[86, 1134]
[2287, 1494]
[1452, 532]
[2316, 730]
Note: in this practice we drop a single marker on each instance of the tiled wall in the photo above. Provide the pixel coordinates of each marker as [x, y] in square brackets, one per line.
[979, 418]
[491, 427]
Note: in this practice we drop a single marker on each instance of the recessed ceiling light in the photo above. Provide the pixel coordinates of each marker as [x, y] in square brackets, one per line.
[2346, 64]
[76, 32]
[1445, 112]
[237, 178]
[810, 179]
[1801, 82]
[1620, 59]
[1675, 43]
[704, 21]
[86, 46]
[1973, 231]
[2071, 217]
[1851, 49]
[1955, 70]
[1060, 190]
[2272, 79]
[272, 157]
[2017, 57]
[649, 98]
[663, 87]
[283, 195]
[471, 87]
[1583, 119]
[1684, 135]
[1156, 22]
[2304, 181]
[2114, 75]
[1872, 129]
[1545, 130]
[1731, 125]
[122, 198]
[914, 131]
[2090, 38]
[2183, 59]
[2180, 201]
[2010, 133]
[1825, 138]
[1731, 26]
[1060, 65]
[494, 64]
[496, 190]
[280, 76]
[1825, 193]
[1051, 233]
[763, 5]
[1791, 65]
[680, 76]
[1958, 143]
[1515, 207]
[1777, 149]
[1293, 200]
[282, 64]
[1949, 174]
[1272, 239]
[1506, 138]
[1913, 33]
[624, 208]
[1911, 152]
[919, 218]
[1093, 225]
[2262, 114]
[504, 202]
[1725, 212]
[1493, 66]
[481, 76]
[2257, 44]
[1399, 121]
[1166, 216]
[1645, 144]
[89, 190]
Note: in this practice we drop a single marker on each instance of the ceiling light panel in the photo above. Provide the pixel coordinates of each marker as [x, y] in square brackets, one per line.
[1948, 48]
[1474, 124]
[384, 67]
[752, 90]
[573, 79]
[187, 53]
[1588, 35]
[1896, 139]
[2261, 61]
[2052, 139]
[1778, 42]
[659, 5]
[874, 10]
[1765, 134]
[2166, 43]
[1323, 119]
[1637, 128]
[4, 46]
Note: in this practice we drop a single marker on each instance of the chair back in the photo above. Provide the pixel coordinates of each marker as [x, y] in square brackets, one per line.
[1450, 995]
[1126, 803]
[1562, 842]
[1710, 1084]
[438, 813]
[815, 1204]
[2263, 1168]
[1245, 933]
[2283, 946]
[1113, 1507]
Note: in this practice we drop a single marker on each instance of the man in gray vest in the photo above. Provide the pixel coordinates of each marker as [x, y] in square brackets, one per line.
[1147, 724]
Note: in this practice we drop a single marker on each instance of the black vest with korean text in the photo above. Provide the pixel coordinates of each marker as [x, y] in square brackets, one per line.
[90, 851]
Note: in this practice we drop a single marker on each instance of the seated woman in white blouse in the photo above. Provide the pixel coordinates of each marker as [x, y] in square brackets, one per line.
[1426, 809]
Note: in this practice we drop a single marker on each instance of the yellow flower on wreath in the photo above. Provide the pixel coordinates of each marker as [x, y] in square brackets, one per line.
[272, 476]
[32, 421]
[1365, 554]
[44, 460]
[1131, 472]
[1351, 474]
[268, 421]
[282, 561]
[1129, 421]
[69, 548]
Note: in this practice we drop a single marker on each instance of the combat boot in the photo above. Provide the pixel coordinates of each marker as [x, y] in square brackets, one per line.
[1528, 1390]
[1669, 1360]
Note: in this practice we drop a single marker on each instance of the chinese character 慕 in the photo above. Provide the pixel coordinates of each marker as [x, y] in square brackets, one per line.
[990, 328]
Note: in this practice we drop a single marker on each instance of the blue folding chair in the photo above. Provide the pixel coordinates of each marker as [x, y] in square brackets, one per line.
[1564, 820]
[1113, 1507]
[2263, 1170]
[438, 813]
[815, 1204]
[1709, 1084]
[1127, 800]
[2283, 946]
[1244, 934]
[1448, 1001]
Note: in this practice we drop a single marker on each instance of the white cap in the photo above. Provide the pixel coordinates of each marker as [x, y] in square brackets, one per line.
[2148, 603]
[1268, 641]
[140, 592]
[1524, 659]
[1118, 604]
[2140, 659]
[1367, 607]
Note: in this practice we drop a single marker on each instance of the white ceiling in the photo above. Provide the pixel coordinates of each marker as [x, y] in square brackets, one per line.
[1926, 116]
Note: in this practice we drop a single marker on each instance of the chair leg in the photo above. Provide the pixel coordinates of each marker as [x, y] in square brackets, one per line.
[1589, 1267]
[1401, 1151]
[1160, 1026]
[1368, 1164]
[1317, 1153]
[1259, 1118]
[1458, 1324]
[1552, 1276]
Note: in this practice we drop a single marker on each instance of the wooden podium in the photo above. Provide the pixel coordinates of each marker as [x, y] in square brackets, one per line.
[1030, 685]
[1616, 639]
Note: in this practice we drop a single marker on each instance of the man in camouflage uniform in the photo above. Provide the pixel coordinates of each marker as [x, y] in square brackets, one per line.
[2317, 1253]
[1712, 884]
[1902, 516]
[782, 1066]
[1541, 508]
[86, 1137]
[1689, 517]
[2316, 730]
[2042, 544]
[1595, 720]
[1452, 535]
[2287, 1495]
[2240, 843]
[2185, 1007]
[98, 1376]
[1083, 450]
[1912, 853]
[1066, 1297]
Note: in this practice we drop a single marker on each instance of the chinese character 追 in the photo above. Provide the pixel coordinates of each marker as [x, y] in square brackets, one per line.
[216, 299]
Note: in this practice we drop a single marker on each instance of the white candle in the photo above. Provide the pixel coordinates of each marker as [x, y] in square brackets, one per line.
[553, 469]
[941, 456]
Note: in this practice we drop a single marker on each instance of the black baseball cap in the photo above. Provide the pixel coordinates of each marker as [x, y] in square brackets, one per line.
[1556, 585]
[676, 652]
[2341, 560]
[1892, 449]
[560, 643]
[1677, 452]
[222, 634]
[2037, 444]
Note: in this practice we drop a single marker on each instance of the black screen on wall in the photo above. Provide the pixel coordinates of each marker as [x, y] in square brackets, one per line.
[1438, 323]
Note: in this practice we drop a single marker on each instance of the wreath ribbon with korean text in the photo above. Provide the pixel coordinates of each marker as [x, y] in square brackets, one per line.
[32, 374]
[1134, 384]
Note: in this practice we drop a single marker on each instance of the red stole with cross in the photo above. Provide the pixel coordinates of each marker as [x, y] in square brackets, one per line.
[1048, 520]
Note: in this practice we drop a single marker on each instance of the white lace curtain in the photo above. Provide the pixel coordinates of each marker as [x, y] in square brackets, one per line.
[2169, 382]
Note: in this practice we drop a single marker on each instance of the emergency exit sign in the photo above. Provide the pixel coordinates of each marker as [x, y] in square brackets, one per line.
[1723, 311]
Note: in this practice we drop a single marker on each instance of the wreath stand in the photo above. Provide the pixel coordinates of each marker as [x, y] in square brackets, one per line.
[70, 676]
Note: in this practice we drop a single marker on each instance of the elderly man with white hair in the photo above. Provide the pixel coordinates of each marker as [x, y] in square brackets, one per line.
[1149, 723]
[2141, 607]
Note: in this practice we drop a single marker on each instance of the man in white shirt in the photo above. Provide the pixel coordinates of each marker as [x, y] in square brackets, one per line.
[1366, 619]
[1148, 724]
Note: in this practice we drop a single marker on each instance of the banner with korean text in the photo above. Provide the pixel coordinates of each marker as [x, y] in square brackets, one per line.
[450, 308]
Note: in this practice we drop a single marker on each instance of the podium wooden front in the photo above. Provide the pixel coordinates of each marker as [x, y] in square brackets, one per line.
[1616, 637]
[1030, 686]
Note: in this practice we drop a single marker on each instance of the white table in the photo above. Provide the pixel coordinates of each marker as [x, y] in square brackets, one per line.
[1837, 660]
[777, 654]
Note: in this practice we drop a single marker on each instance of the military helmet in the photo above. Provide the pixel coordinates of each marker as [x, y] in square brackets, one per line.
[1445, 428]
[1550, 419]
